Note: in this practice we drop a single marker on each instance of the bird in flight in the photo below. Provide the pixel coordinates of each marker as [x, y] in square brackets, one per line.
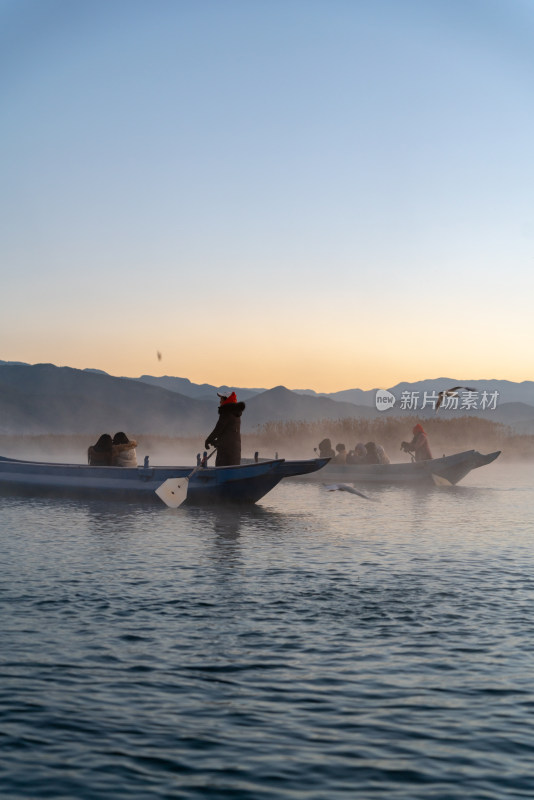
[159, 355]
[451, 393]
[342, 487]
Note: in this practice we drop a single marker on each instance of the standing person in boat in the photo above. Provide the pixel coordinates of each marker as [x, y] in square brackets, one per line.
[419, 445]
[100, 454]
[226, 435]
[124, 454]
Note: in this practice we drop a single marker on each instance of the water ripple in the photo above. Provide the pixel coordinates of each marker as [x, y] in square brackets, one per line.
[312, 648]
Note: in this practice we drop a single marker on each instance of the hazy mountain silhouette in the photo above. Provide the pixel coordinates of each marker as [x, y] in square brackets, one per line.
[200, 391]
[282, 404]
[509, 392]
[43, 398]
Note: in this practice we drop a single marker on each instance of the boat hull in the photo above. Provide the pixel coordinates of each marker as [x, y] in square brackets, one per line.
[451, 469]
[242, 484]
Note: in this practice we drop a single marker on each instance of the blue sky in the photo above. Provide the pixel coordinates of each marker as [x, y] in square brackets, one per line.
[320, 194]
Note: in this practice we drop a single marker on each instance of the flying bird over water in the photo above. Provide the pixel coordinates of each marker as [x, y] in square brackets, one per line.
[451, 393]
[342, 487]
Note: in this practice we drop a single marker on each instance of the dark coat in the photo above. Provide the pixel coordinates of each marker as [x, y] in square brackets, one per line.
[226, 435]
[98, 458]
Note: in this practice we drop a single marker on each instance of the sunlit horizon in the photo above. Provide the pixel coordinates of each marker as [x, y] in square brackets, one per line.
[264, 381]
[354, 211]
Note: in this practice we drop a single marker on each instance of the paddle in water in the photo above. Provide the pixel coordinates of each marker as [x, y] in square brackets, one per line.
[173, 491]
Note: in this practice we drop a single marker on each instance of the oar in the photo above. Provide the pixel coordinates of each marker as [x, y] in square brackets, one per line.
[173, 491]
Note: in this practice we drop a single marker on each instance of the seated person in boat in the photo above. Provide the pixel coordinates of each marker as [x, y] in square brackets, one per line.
[124, 454]
[372, 456]
[341, 455]
[419, 445]
[383, 457]
[358, 455]
[100, 454]
[226, 435]
[325, 449]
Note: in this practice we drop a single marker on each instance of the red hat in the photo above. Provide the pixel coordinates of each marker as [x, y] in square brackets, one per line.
[418, 429]
[230, 399]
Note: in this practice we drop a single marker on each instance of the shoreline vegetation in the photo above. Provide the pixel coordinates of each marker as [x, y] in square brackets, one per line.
[292, 439]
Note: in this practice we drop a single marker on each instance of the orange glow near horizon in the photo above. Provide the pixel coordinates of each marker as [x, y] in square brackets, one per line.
[251, 225]
[262, 351]
[320, 373]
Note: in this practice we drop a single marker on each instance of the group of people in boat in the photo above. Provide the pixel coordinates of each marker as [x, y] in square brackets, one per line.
[372, 453]
[118, 451]
[226, 437]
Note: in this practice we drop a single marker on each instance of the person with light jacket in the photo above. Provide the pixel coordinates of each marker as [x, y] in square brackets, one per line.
[124, 454]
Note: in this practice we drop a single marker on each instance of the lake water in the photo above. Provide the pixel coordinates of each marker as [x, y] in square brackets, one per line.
[318, 646]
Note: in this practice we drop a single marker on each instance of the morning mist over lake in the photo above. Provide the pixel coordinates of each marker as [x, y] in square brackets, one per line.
[266, 399]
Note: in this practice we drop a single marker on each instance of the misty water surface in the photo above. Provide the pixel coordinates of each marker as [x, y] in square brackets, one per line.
[317, 646]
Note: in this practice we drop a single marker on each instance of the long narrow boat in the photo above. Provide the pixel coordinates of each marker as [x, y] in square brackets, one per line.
[446, 470]
[243, 484]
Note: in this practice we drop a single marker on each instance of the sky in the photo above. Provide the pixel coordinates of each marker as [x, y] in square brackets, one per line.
[323, 194]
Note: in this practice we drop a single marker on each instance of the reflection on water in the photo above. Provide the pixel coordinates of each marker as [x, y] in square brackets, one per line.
[228, 521]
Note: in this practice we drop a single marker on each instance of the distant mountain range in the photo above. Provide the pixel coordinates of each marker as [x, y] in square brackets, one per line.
[48, 399]
[43, 398]
[508, 391]
[200, 391]
[514, 401]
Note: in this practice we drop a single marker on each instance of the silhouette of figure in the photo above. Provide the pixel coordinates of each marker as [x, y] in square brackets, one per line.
[100, 454]
[226, 435]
